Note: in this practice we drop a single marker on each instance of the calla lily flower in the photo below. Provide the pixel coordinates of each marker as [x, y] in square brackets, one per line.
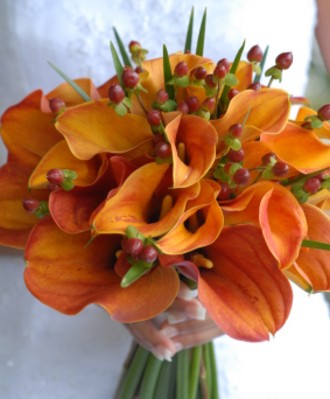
[275, 210]
[247, 295]
[69, 283]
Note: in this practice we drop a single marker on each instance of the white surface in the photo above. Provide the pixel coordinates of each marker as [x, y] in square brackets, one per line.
[46, 355]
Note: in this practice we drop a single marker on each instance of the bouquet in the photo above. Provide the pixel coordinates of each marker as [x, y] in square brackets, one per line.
[177, 169]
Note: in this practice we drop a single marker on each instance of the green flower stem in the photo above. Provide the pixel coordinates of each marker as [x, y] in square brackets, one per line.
[315, 244]
[208, 370]
[195, 371]
[150, 377]
[213, 371]
[182, 379]
[165, 388]
[133, 375]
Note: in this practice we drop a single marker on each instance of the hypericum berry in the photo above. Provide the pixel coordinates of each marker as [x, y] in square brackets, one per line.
[220, 71]
[255, 54]
[209, 104]
[241, 176]
[148, 254]
[224, 63]
[312, 185]
[55, 176]
[56, 105]
[116, 93]
[163, 149]
[130, 78]
[324, 112]
[280, 169]
[210, 82]
[193, 104]
[255, 86]
[236, 130]
[162, 96]
[183, 107]
[236, 156]
[268, 158]
[132, 246]
[225, 192]
[232, 93]
[154, 117]
[181, 69]
[30, 204]
[199, 73]
[134, 46]
[284, 60]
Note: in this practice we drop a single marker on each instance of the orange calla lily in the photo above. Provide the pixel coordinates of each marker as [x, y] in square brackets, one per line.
[322, 132]
[69, 283]
[313, 265]
[245, 292]
[95, 127]
[307, 155]
[276, 211]
[199, 139]
[70, 96]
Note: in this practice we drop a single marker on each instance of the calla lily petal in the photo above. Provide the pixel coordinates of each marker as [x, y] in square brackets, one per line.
[273, 208]
[69, 283]
[289, 147]
[199, 139]
[245, 292]
[70, 96]
[95, 127]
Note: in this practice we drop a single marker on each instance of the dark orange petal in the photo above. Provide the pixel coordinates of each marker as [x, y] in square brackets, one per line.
[273, 208]
[67, 275]
[245, 292]
[185, 237]
[27, 131]
[95, 127]
[244, 75]
[70, 96]
[265, 109]
[199, 139]
[314, 264]
[300, 148]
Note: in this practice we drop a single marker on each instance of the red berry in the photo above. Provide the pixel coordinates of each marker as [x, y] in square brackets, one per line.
[241, 176]
[132, 246]
[162, 96]
[255, 86]
[163, 149]
[30, 204]
[55, 176]
[130, 78]
[220, 71]
[154, 117]
[148, 254]
[267, 158]
[225, 192]
[280, 168]
[56, 105]
[232, 93]
[116, 93]
[210, 82]
[284, 60]
[183, 107]
[200, 73]
[209, 104]
[255, 54]
[324, 112]
[236, 156]
[236, 130]
[312, 185]
[134, 46]
[224, 63]
[181, 69]
[193, 104]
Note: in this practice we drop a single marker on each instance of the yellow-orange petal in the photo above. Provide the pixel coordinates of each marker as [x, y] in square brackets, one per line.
[265, 109]
[94, 127]
[199, 139]
[277, 212]
[313, 263]
[245, 293]
[182, 239]
[59, 156]
[300, 148]
[27, 131]
[70, 96]
[67, 275]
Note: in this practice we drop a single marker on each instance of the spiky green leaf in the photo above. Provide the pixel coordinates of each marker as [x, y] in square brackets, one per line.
[122, 49]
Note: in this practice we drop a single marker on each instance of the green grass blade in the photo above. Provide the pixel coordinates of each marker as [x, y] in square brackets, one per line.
[116, 62]
[262, 66]
[188, 43]
[133, 375]
[73, 84]
[315, 244]
[201, 36]
[167, 73]
[122, 49]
